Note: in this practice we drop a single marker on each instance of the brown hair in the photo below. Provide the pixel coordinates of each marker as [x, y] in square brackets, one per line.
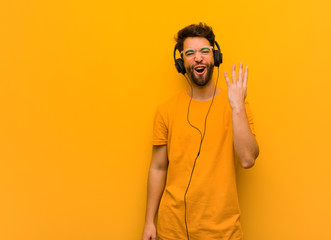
[194, 30]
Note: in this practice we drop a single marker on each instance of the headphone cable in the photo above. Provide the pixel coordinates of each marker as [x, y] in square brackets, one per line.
[202, 138]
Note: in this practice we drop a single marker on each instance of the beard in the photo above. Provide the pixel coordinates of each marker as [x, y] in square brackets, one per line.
[201, 80]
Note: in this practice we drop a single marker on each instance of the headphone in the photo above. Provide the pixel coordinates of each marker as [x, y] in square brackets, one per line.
[179, 62]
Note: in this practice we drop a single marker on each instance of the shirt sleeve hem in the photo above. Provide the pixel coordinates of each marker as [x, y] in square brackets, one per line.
[159, 142]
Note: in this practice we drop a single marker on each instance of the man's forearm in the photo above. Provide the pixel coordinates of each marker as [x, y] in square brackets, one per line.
[156, 182]
[244, 141]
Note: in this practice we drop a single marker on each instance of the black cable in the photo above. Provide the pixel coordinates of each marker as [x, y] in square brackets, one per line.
[202, 138]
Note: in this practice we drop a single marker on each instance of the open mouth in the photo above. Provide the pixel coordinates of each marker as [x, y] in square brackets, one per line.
[200, 69]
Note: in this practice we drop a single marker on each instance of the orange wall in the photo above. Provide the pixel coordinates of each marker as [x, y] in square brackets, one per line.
[79, 84]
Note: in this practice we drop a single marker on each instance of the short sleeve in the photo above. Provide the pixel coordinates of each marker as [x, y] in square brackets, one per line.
[250, 117]
[160, 129]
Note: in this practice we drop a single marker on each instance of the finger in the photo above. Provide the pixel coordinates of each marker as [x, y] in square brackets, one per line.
[245, 78]
[234, 79]
[240, 77]
[227, 80]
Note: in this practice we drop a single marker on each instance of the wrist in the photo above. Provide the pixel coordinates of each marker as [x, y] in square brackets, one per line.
[238, 108]
[149, 221]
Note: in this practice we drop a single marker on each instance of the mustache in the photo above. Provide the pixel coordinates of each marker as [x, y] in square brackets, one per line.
[208, 66]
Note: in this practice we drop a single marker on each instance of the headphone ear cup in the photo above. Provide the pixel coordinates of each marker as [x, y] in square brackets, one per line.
[218, 58]
[179, 64]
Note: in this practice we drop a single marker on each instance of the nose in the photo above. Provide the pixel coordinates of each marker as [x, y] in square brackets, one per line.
[198, 57]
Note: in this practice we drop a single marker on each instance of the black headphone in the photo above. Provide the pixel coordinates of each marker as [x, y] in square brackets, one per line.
[179, 62]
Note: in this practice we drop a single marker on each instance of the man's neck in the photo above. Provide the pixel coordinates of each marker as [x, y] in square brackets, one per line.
[203, 93]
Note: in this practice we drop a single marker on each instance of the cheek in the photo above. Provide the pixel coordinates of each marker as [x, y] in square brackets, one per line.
[187, 64]
[211, 60]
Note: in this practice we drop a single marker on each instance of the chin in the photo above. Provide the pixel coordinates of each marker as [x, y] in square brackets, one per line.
[201, 82]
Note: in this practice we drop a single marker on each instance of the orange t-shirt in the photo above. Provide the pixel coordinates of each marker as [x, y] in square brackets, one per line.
[212, 202]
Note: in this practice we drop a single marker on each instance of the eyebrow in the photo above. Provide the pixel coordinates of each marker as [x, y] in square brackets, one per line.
[189, 50]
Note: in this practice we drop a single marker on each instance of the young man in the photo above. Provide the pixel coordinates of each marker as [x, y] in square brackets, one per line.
[196, 145]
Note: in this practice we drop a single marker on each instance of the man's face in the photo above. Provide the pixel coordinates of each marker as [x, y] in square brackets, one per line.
[198, 60]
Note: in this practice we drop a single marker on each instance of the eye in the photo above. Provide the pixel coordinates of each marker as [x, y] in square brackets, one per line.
[189, 52]
[205, 50]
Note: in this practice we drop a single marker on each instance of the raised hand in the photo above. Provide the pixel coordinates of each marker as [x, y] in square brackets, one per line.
[237, 90]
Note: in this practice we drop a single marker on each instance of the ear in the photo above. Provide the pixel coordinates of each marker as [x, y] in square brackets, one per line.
[217, 57]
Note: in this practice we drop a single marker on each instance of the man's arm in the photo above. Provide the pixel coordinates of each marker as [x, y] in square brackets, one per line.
[156, 182]
[245, 144]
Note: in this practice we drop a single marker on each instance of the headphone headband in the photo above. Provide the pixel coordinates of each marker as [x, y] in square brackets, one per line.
[218, 46]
